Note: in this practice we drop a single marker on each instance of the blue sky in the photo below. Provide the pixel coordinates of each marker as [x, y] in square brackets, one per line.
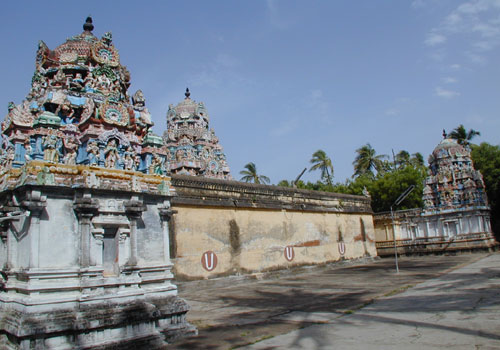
[282, 79]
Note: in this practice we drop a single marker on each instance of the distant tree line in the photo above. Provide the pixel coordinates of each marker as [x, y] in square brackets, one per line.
[384, 179]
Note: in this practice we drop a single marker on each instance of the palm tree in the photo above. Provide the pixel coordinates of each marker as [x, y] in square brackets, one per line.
[320, 161]
[417, 159]
[463, 136]
[402, 158]
[367, 161]
[250, 175]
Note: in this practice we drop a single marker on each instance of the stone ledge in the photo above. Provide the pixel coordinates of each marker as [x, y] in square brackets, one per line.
[199, 191]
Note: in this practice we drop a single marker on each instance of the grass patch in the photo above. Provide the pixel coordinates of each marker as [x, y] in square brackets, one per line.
[398, 290]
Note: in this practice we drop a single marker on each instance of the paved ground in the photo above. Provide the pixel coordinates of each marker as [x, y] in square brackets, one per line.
[439, 301]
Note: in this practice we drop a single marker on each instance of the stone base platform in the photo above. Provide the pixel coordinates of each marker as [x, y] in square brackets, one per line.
[102, 324]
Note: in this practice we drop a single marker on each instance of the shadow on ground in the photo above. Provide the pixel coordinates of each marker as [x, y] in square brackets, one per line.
[231, 314]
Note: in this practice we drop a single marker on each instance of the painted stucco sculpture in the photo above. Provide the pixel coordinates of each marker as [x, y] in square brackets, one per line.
[84, 210]
[193, 147]
[79, 112]
[452, 182]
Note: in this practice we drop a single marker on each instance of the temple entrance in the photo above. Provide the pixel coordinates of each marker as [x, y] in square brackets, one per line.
[110, 252]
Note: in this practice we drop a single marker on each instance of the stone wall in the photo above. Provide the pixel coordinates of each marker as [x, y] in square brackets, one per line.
[425, 231]
[86, 266]
[248, 227]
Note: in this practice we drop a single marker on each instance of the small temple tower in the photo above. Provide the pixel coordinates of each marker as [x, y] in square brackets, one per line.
[456, 215]
[453, 182]
[193, 147]
[84, 210]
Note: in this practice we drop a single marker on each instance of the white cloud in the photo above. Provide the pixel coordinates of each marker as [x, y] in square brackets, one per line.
[416, 4]
[214, 72]
[475, 58]
[391, 112]
[455, 66]
[277, 16]
[450, 80]
[440, 92]
[474, 25]
[285, 127]
[434, 39]
[438, 55]
[484, 45]
[398, 106]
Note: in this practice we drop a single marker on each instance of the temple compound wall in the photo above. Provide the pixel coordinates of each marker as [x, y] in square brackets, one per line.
[227, 227]
[456, 215]
[420, 232]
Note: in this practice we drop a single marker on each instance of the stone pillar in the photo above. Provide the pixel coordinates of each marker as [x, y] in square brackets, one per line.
[133, 210]
[36, 204]
[165, 215]
[85, 208]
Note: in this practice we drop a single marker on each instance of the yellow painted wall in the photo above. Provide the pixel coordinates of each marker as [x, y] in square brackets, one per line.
[263, 235]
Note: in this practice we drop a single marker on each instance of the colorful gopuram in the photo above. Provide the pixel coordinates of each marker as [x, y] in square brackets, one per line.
[193, 147]
[79, 112]
[456, 215]
[452, 182]
[85, 210]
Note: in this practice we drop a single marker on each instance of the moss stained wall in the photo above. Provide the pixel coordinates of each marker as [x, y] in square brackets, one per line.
[248, 227]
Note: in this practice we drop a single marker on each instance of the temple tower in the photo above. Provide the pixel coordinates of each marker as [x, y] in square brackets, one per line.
[193, 147]
[84, 210]
[453, 182]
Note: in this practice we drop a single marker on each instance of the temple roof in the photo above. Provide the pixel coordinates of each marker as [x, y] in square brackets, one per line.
[449, 147]
[187, 109]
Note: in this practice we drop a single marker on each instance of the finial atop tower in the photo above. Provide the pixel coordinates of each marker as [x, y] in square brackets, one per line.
[187, 94]
[88, 26]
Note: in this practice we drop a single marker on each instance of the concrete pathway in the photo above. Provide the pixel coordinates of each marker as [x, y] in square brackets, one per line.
[237, 311]
[458, 310]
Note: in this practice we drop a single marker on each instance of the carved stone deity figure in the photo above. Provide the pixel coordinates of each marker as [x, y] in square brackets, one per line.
[59, 78]
[71, 145]
[156, 166]
[366, 193]
[9, 157]
[139, 103]
[66, 113]
[128, 159]
[138, 99]
[111, 154]
[92, 152]
[77, 82]
[28, 151]
[137, 162]
[50, 143]
[89, 82]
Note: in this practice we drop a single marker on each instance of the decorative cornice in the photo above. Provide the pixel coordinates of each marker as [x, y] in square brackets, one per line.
[193, 190]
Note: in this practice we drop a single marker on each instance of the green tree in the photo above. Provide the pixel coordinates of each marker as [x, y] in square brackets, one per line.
[486, 158]
[250, 175]
[367, 161]
[402, 158]
[463, 136]
[417, 159]
[320, 161]
[284, 183]
[387, 188]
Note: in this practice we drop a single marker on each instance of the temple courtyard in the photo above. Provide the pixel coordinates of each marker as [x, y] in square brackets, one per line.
[434, 302]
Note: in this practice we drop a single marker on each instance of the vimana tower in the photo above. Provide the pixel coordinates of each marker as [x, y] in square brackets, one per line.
[84, 210]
